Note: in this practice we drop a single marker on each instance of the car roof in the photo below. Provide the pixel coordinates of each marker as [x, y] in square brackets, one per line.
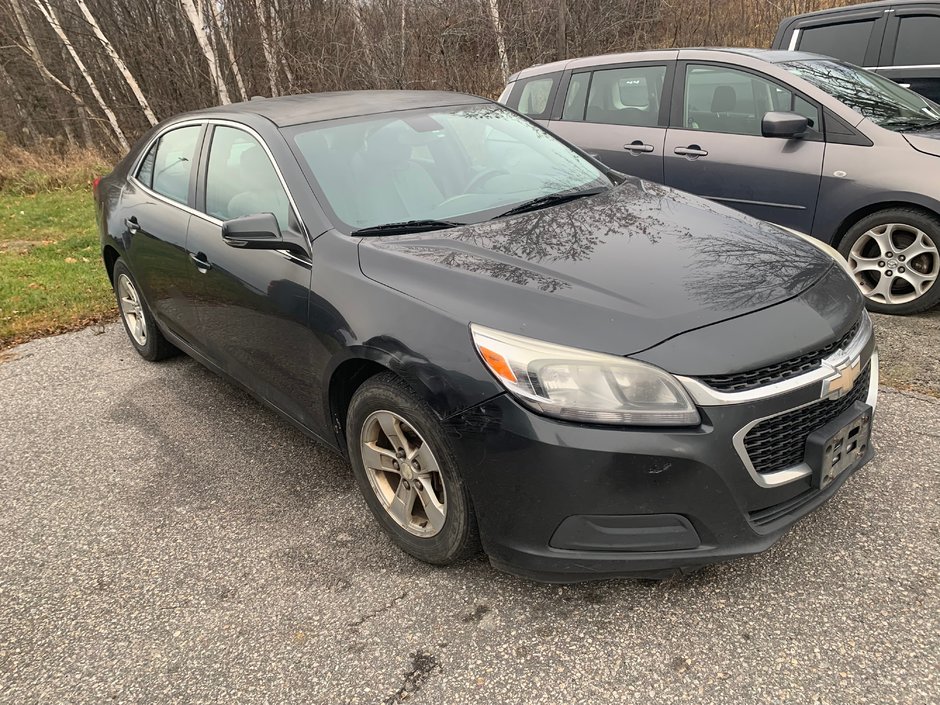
[313, 107]
[771, 56]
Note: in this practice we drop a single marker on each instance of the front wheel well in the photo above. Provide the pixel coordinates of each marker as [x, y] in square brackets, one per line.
[872, 208]
[344, 382]
[110, 256]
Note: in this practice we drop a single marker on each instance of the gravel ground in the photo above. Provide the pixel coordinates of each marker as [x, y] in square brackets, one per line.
[164, 539]
[910, 351]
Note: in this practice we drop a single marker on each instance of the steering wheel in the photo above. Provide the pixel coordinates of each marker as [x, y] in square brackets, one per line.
[485, 176]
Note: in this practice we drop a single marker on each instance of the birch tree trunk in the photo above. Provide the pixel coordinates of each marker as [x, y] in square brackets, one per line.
[493, 7]
[360, 34]
[269, 59]
[227, 45]
[118, 62]
[215, 74]
[50, 16]
[277, 33]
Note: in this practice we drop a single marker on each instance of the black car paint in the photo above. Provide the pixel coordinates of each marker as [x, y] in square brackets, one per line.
[297, 331]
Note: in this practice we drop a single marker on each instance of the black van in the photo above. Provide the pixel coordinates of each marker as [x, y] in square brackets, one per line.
[899, 39]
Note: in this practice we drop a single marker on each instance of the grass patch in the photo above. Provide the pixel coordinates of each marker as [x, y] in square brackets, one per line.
[51, 276]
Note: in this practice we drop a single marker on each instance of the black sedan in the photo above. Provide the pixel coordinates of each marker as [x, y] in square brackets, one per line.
[587, 374]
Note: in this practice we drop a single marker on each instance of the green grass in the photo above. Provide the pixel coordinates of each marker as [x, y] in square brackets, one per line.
[51, 275]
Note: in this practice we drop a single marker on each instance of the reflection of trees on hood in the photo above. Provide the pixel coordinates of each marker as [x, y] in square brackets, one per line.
[779, 257]
[571, 232]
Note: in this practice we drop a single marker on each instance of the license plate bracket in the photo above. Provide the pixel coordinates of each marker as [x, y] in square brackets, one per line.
[839, 445]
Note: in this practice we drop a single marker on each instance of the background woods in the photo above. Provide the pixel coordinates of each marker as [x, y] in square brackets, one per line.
[96, 73]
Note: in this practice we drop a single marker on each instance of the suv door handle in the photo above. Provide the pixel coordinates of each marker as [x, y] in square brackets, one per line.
[199, 258]
[131, 224]
[637, 146]
[693, 151]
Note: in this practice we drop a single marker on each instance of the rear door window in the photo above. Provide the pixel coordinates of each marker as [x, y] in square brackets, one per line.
[917, 43]
[847, 40]
[629, 95]
[533, 96]
[168, 166]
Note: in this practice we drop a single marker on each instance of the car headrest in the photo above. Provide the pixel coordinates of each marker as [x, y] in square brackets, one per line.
[385, 148]
[724, 99]
[254, 162]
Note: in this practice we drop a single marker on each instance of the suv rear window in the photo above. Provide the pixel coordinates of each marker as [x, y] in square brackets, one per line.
[847, 41]
[917, 41]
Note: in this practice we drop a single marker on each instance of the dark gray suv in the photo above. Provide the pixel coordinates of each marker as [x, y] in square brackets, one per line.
[801, 140]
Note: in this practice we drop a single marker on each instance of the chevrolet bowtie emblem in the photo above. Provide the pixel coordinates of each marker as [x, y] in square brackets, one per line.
[842, 382]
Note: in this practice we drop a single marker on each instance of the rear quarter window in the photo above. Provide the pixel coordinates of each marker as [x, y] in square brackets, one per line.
[533, 96]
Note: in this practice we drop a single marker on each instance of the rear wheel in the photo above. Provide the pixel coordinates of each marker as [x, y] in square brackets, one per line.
[895, 259]
[137, 318]
[407, 472]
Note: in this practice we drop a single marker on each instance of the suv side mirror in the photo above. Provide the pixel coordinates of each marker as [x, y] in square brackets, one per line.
[257, 232]
[785, 125]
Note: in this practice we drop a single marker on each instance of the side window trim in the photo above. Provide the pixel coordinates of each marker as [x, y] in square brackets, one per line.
[678, 93]
[200, 141]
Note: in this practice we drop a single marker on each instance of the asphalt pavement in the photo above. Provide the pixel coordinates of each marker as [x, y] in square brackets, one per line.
[165, 539]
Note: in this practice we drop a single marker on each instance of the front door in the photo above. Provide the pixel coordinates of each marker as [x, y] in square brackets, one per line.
[618, 115]
[714, 147]
[252, 304]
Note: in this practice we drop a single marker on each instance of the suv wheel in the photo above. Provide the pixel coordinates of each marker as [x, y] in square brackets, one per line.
[895, 259]
[407, 472]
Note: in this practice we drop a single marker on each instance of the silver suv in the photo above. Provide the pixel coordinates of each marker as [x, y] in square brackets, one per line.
[801, 140]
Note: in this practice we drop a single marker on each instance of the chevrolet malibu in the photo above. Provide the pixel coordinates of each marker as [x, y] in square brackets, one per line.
[585, 374]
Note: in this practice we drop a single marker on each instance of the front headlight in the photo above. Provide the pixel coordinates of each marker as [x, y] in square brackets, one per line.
[579, 385]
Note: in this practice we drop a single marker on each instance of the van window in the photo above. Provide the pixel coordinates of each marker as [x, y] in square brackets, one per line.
[847, 41]
[917, 41]
[626, 96]
[576, 96]
[532, 96]
[734, 102]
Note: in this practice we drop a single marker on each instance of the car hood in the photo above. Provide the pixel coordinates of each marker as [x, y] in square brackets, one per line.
[926, 142]
[619, 272]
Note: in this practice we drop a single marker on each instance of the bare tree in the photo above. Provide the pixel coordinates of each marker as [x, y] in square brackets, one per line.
[118, 62]
[227, 44]
[493, 7]
[194, 15]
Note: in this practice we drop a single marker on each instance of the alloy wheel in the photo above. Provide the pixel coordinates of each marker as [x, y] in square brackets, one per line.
[131, 309]
[403, 473]
[894, 263]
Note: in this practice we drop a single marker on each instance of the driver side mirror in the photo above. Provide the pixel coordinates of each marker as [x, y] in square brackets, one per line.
[784, 125]
[258, 232]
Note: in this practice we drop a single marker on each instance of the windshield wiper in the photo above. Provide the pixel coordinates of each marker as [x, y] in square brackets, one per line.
[921, 126]
[406, 226]
[553, 199]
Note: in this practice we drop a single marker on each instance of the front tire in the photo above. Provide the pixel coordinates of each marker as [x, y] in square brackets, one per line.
[139, 324]
[407, 472]
[895, 259]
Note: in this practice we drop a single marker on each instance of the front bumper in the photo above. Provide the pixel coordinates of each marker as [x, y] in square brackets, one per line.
[678, 498]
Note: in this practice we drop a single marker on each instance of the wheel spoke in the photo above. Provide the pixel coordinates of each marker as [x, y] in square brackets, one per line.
[883, 235]
[402, 504]
[883, 290]
[377, 458]
[922, 245]
[865, 264]
[920, 282]
[391, 427]
[433, 507]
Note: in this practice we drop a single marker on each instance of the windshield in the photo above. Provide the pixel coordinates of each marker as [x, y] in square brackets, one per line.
[462, 165]
[881, 100]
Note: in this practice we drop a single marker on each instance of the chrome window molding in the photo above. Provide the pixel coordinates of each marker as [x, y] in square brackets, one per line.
[903, 66]
[703, 395]
[192, 211]
[794, 39]
[782, 477]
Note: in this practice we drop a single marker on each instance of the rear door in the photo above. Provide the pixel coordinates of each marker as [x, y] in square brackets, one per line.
[619, 114]
[853, 35]
[911, 54]
[156, 206]
[714, 146]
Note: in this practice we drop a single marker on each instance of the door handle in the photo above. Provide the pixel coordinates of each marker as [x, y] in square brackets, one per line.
[693, 151]
[637, 146]
[131, 224]
[199, 258]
